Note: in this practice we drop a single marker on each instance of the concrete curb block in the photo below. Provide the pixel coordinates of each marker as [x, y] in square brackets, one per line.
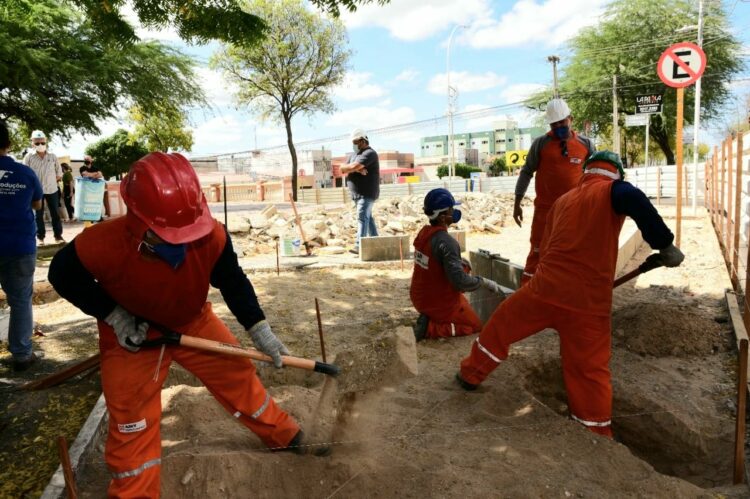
[92, 429]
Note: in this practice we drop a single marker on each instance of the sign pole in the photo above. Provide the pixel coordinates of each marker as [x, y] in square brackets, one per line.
[645, 171]
[678, 198]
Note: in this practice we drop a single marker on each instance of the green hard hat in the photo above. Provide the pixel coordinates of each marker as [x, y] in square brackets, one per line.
[608, 157]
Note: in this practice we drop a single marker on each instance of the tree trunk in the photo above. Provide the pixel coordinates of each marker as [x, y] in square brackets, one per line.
[659, 134]
[292, 152]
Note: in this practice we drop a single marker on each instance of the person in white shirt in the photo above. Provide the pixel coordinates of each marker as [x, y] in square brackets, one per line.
[48, 170]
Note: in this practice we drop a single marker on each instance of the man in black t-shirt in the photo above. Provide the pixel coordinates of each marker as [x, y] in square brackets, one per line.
[363, 179]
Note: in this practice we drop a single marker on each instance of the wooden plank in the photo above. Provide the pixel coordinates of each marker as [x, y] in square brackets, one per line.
[738, 324]
[739, 428]
[722, 185]
[730, 214]
[737, 216]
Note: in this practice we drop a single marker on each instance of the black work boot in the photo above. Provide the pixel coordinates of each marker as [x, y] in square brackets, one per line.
[22, 365]
[420, 328]
[469, 387]
[298, 446]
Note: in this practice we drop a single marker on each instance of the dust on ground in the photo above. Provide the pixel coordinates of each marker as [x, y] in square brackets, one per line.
[415, 434]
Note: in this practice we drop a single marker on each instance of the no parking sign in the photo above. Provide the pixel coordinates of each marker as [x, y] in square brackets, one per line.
[681, 64]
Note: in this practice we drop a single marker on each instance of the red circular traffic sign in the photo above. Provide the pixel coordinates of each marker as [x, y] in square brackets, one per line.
[681, 64]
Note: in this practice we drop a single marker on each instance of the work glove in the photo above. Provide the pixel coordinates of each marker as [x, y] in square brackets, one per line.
[671, 256]
[491, 285]
[267, 342]
[127, 327]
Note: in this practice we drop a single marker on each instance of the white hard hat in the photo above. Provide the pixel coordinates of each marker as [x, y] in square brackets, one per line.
[38, 134]
[557, 110]
[358, 133]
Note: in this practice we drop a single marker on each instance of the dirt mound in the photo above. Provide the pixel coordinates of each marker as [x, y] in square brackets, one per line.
[664, 330]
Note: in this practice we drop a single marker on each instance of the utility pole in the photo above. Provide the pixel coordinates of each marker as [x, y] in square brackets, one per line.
[615, 115]
[451, 100]
[554, 60]
[697, 115]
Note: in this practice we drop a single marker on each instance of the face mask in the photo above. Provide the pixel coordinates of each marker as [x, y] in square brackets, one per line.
[561, 132]
[173, 254]
[355, 148]
[41, 148]
[456, 216]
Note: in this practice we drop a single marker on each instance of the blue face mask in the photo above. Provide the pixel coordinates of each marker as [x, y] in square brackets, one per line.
[561, 132]
[456, 216]
[173, 254]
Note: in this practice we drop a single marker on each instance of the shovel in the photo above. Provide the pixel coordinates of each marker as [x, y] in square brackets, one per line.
[174, 338]
[652, 262]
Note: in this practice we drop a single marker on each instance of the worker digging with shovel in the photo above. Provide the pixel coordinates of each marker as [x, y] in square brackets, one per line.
[154, 265]
[571, 290]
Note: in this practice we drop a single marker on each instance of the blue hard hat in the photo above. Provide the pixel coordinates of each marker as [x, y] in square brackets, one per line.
[438, 200]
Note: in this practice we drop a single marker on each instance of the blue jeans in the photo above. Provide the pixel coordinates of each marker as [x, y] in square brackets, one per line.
[17, 279]
[365, 223]
[52, 201]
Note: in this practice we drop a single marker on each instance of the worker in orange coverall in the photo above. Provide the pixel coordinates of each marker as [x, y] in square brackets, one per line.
[441, 276]
[556, 158]
[155, 265]
[571, 290]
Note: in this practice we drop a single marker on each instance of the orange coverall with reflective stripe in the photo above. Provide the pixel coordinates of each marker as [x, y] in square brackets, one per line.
[149, 288]
[434, 296]
[571, 292]
[555, 175]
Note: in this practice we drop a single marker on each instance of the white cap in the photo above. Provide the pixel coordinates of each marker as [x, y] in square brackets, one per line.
[557, 110]
[358, 133]
[38, 134]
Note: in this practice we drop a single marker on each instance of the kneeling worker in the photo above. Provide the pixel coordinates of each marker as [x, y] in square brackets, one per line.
[571, 290]
[440, 275]
[155, 264]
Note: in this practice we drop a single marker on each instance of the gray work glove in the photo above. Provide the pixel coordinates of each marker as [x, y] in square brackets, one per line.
[671, 256]
[267, 342]
[127, 327]
[491, 285]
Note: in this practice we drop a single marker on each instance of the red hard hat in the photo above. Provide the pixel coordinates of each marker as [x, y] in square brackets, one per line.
[163, 191]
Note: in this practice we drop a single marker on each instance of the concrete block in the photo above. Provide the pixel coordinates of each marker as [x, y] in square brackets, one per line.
[460, 236]
[381, 248]
[505, 273]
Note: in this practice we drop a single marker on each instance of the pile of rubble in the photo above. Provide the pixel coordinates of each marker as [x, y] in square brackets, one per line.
[335, 229]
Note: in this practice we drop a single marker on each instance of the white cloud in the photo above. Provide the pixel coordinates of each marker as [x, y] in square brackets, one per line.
[219, 92]
[225, 134]
[369, 117]
[407, 76]
[357, 86]
[520, 91]
[465, 82]
[416, 19]
[166, 34]
[549, 22]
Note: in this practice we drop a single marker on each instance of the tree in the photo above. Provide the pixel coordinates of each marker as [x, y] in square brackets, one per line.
[292, 72]
[497, 166]
[196, 21]
[627, 42]
[57, 75]
[161, 130]
[113, 155]
[459, 169]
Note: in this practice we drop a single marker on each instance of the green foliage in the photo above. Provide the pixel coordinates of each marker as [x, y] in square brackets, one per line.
[196, 21]
[459, 170]
[293, 71]
[628, 42]
[58, 75]
[497, 166]
[113, 155]
[161, 130]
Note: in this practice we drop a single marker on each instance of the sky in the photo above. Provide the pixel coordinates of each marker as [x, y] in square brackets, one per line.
[398, 74]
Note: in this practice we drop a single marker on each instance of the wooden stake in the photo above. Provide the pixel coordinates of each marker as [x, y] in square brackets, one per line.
[722, 186]
[70, 481]
[739, 429]
[401, 254]
[277, 257]
[678, 197]
[299, 224]
[320, 331]
[730, 214]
